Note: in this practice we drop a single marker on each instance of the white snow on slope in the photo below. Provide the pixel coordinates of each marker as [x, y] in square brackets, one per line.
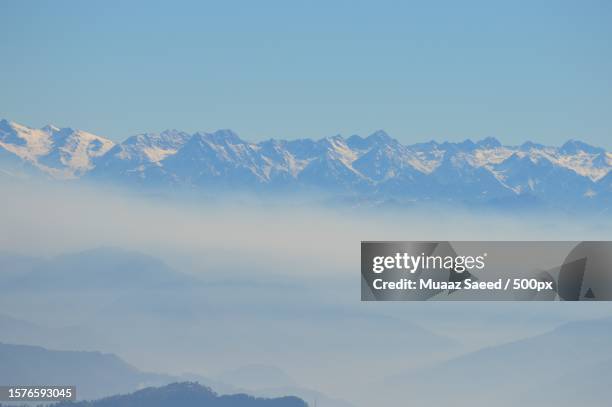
[61, 153]
[68, 153]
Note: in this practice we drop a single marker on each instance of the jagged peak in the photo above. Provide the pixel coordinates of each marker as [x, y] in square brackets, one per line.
[337, 137]
[466, 144]
[170, 136]
[530, 145]
[425, 145]
[223, 136]
[574, 146]
[9, 125]
[489, 142]
[50, 128]
[380, 135]
[172, 132]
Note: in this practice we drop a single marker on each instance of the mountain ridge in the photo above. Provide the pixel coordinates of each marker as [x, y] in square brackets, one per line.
[563, 354]
[187, 394]
[376, 167]
[101, 376]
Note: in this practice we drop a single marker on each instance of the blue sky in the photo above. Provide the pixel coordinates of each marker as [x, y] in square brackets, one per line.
[447, 70]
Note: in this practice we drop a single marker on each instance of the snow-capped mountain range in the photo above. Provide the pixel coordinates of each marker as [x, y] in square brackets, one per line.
[374, 168]
[60, 153]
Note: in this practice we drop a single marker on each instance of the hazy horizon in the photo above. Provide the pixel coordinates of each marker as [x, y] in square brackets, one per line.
[280, 277]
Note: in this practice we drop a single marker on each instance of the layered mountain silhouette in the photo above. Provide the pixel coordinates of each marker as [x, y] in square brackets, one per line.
[97, 375]
[186, 395]
[101, 268]
[377, 168]
[566, 366]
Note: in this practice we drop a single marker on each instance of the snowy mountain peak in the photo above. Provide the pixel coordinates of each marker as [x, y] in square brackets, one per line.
[61, 153]
[489, 143]
[376, 168]
[380, 136]
[49, 128]
[577, 146]
[529, 145]
[223, 136]
[4, 124]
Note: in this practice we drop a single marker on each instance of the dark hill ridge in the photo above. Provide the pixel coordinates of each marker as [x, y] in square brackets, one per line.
[99, 375]
[186, 394]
